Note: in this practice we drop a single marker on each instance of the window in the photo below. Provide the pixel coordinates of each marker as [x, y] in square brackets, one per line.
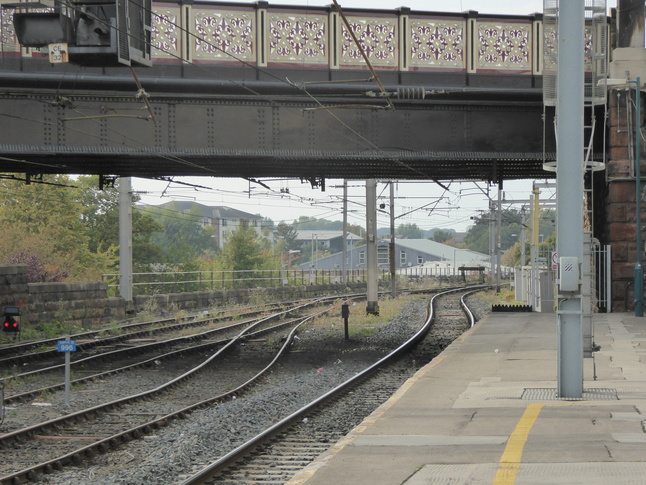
[420, 259]
[402, 258]
[362, 257]
[224, 222]
[382, 255]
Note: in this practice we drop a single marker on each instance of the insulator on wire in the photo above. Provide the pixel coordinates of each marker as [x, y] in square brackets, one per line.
[411, 93]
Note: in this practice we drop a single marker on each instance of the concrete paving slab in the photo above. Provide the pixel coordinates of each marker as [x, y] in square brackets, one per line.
[486, 411]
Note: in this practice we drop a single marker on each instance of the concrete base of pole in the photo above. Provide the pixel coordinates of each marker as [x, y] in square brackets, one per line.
[372, 308]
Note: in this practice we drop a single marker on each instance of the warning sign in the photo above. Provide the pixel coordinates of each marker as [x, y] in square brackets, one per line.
[58, 53]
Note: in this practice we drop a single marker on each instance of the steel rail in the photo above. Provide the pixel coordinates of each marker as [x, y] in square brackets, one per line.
[103, 445]
[465, 308]
[135, 350]
[146, 347]
[15, 398]
[244, 449]
[141, 329]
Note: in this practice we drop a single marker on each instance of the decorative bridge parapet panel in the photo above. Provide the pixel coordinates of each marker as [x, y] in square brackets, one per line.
[263, 35]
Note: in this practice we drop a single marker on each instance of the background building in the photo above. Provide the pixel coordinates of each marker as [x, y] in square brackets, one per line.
[224, 220]
[408, 253]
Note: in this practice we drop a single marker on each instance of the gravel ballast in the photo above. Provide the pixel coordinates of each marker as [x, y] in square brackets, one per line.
[319, 360]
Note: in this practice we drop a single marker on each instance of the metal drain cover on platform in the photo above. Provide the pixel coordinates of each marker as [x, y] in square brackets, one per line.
[549, 394]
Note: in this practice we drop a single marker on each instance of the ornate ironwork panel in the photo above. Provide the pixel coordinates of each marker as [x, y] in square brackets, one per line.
[436, 43]
[223, 35]
[298, 39]
[166, 31]
[378, 38]
[504, 46]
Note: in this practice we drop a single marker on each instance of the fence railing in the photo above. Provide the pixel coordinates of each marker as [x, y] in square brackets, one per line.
[189, 281]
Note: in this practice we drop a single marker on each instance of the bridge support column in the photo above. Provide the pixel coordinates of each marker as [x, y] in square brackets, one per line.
[372, 289]
[622, 224]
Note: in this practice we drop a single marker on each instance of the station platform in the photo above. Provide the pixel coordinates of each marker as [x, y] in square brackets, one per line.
[485, 411]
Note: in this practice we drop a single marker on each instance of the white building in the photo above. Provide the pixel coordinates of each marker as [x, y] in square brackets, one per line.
[224, 220]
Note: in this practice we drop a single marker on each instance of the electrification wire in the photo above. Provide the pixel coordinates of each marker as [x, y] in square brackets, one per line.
[178, 159]
[265, 72]
[163, 156]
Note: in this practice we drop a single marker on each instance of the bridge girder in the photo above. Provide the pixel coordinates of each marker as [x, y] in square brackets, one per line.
[456, 135]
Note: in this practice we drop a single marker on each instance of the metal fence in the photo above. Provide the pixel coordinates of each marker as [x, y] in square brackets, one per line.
[189, 281]
[601, 257]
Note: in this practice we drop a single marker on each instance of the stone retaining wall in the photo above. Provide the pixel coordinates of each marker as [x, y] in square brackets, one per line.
[87, 305]
[13, 285]
[209, 299]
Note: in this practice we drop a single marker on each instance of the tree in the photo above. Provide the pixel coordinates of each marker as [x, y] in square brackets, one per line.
[477, 238]
[409, 231]
[511, 257]
[287, 233]
[243, 250]
[46, 224]
[144, 251]
[441, 236]
[313, 224]
[183, 238]
[101, 216]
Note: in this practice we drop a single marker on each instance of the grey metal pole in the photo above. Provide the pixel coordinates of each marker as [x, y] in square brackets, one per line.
[392, 240]
[569, 188]
[372, 290]
[498, 239]
[492, 239]
[125, 238]
[68, 379]
[344, 265]
[523, 237]
[523, 241]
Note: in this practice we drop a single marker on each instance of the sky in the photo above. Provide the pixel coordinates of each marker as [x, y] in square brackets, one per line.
[422, 203]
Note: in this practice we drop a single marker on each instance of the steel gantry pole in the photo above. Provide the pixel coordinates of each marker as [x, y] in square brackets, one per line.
[344, 263]
[569, 189]
[372, 290]
[391, 253]
[125, 238]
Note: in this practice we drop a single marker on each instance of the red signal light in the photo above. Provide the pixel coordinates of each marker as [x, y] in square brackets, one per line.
[10, 325]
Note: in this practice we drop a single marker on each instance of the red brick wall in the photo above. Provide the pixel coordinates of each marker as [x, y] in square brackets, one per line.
[621, 230]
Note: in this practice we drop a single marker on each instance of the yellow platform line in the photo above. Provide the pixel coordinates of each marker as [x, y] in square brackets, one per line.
[511, 457]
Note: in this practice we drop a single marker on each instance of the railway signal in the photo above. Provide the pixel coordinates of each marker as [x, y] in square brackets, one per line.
[10, 324]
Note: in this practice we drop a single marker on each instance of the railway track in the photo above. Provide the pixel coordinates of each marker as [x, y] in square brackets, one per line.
[43, 353]
[273, 456]
[137, 419]
[69, 439]
[97, 367]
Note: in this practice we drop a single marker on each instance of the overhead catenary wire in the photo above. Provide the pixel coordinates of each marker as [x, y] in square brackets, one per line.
[268, 73]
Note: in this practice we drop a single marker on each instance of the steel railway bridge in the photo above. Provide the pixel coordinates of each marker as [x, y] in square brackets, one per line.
[257, 90]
